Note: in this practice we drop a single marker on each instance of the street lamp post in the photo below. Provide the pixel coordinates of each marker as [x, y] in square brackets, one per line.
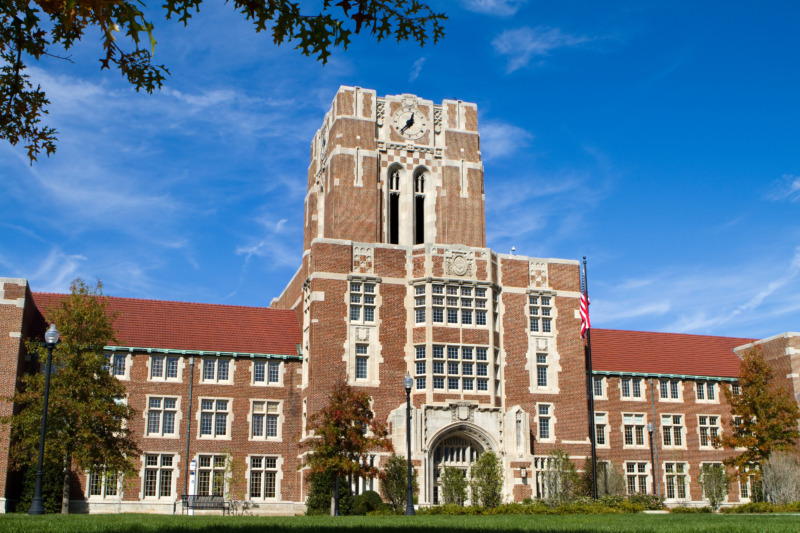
[652, 459]
[51, 339]
[407, 383]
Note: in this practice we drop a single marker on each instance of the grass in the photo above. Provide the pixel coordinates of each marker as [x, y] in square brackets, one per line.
[133, 523]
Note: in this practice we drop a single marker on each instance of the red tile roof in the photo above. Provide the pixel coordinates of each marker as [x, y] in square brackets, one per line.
[195, 326]
[665, 353]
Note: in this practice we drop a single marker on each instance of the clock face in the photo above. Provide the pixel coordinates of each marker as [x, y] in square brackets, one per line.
[410, 122]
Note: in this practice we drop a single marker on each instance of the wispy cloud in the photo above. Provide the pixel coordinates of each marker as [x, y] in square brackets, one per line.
[57, 271]
[416, 69]
[500, 139]
[272, 246]
[786, 188]
[499, 8]
[522, 45]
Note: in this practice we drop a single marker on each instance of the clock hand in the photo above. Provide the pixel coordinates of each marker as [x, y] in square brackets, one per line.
[409, 123]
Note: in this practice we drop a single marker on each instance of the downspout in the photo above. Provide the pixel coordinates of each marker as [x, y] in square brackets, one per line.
[188, 427]
[656, 466]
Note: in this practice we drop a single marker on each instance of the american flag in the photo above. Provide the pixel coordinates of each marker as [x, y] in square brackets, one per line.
[585, 323]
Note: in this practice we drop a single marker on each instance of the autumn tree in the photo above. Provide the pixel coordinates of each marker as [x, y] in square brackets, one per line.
[764, 416]
[86, 421]
[344, 433]
[32, 29]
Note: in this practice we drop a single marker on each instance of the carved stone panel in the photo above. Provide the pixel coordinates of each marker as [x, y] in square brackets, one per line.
[458, 263]
[538, 271]
[363, 257]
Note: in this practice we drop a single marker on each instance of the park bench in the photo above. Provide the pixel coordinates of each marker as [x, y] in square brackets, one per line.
[205, 503]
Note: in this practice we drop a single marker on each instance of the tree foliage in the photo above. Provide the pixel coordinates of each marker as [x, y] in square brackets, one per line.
[716, 484]
[318, 501]
[394, 482]
[768, 414]
[345, 431]
[29, 30]
[561, 478]
[453, 486]
[486, 480]
[86, 421]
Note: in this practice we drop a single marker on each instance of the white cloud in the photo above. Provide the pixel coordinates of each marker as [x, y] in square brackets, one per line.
[416, 69]
[500, 8]
[499, 139]
[57, 271]
[786, 188]
[521, 45]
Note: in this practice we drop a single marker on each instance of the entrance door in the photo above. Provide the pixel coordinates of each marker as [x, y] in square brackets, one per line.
[457, 451]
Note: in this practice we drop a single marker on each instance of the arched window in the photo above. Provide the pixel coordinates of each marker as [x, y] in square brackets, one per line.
[419, 205]
[393, 207]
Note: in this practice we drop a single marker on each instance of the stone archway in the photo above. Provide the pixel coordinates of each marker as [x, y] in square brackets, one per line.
[456, 446]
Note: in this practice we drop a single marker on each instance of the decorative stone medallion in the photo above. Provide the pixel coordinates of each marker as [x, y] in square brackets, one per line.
[458, 263]
[363, 259]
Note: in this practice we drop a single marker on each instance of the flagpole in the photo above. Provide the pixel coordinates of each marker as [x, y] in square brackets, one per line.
[590, 384]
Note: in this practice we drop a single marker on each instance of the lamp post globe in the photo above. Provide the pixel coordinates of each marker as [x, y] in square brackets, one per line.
[407, 383]
[51, 339]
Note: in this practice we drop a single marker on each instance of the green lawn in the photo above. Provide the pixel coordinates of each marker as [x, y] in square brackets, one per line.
[130, 523]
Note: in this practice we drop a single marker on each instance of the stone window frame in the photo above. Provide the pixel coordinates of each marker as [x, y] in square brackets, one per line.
[357, 289]
[164, 366]
[174, 467]
[702, 387]
[113, 367]
[213, 469]
[637, 475]
[278, 413]
[278, 476]
[673, 426]
[267, 361]
[103, 476]
[439, 367]
[215, 411]
[205, 360]
[710, 437]
[545, 313]
[603, 387]
[177, 420]
[638, 425]
[671, 385]
[674, 474]
[451, 297]
[551, 417]
[605, 425]
[631, 388]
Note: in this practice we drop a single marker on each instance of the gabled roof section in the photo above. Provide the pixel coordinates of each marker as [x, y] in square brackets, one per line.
[187, 326]
[645, 352]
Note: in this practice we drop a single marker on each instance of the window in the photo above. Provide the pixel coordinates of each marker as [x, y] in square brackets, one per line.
[636, 477]
[265, 419]
[633, 428]
[540, 311]
[158, 475]
[735, 389]
[669, 389]
[211, 475]
[709, 431]
[216, 370]
[268, 372]
[263, 477]
[676, 480]
[103, 483]
[598, 387]
[214, 417]
[706, 390]
[163, 367]
[458, 372]
[116, 363]
[361, 361]
[460, 304]
[600, 429]
[161, 416]
[541, 370]
[631, 387]
[672, 429]
[362, 302]
[544, 422]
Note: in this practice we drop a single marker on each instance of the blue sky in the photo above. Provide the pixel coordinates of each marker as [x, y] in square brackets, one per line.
[659, 139]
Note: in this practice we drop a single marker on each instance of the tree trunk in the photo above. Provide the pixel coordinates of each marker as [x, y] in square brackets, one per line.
[65, 486]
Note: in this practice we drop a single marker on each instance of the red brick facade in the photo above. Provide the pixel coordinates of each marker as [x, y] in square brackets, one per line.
[396, 278]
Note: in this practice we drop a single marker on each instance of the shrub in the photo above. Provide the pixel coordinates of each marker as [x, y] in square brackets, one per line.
[319, 496]
[453, 486]
[649, 502]
[561, 477]
[52, 487]
[716, 484]
[486, 480]
[781, 477]
[681, 509]
[762, 507]
[394, 482]
[610, 479]
[366, 502]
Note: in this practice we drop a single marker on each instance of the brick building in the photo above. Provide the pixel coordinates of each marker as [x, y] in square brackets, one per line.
[396, 278]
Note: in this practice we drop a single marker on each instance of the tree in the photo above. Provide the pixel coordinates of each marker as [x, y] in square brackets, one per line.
[781, 477]
[394, 482]
[764, 416]
[453, 486]
[344, 432]
[610, 479]
[716, 483]
[318, 501]
[561, 477]
[486, 480]
[86, 421]
[24, 35]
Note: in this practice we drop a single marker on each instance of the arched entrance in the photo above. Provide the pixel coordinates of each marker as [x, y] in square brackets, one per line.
[457, 446]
